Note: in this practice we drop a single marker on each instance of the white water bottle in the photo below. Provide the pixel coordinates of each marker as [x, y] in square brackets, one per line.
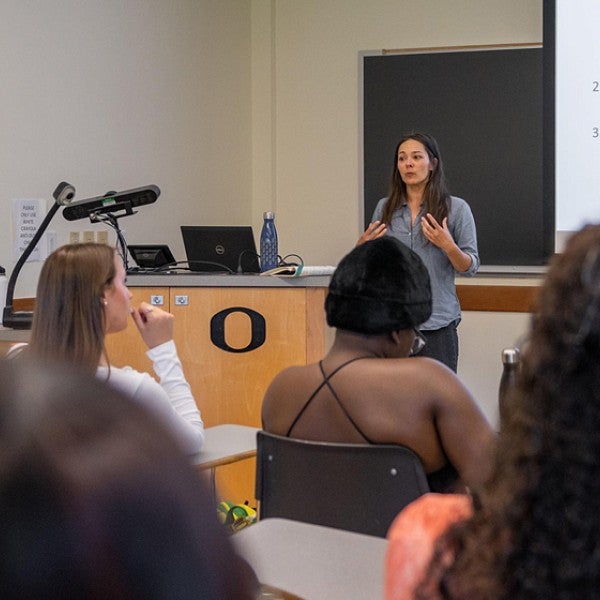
[268, 243]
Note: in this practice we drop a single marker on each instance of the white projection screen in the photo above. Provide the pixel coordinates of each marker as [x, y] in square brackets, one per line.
[572, 47]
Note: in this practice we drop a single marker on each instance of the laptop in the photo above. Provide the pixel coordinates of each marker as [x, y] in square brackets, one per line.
[228, 249]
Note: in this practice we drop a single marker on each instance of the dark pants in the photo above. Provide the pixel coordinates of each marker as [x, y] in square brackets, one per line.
[442, 344]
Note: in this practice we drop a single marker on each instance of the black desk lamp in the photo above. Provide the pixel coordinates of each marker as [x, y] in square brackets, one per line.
[107, 209]
[63, 195]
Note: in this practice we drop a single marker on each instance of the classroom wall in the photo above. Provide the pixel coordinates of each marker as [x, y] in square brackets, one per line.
[314, 150]
[483, 336]
[110, 95]
[308, 137]
[232, 107]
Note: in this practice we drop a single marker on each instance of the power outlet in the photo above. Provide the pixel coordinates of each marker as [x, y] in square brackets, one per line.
[102, 237]
[73, 237]
[88, 236]
[51, 241]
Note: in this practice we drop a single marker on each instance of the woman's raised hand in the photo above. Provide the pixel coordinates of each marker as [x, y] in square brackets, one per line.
[155, 325]
[375, 230]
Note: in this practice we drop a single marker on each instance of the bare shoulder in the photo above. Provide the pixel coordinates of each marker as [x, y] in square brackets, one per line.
[419, 385]
[282, 389]
[425, 370]
[288, 378]
[443, 373]
[438, 382]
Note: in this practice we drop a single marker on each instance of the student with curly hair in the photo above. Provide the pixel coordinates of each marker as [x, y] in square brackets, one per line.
[535, 531]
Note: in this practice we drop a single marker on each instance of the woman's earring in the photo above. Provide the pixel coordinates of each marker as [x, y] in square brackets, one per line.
[104, 301]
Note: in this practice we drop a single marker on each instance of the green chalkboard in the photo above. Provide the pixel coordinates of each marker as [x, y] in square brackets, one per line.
[485, 108]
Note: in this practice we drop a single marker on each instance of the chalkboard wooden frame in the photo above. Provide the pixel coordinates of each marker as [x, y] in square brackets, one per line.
[484, 105]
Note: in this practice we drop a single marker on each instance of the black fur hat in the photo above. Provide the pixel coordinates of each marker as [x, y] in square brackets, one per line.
[379, 287]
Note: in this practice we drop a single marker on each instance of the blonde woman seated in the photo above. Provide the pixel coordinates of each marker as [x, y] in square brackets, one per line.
[366, 390]
[82, 297]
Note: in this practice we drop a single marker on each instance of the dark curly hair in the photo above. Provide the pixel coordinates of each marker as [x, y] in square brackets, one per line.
[436, 199]
[535, 532]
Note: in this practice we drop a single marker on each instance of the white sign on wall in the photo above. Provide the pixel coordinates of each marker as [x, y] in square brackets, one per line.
[27, 217]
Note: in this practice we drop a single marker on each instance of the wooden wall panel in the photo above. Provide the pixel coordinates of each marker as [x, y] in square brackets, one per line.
[497, 298]
[229, 386]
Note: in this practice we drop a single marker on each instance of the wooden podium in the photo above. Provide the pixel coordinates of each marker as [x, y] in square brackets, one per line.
[234, 333]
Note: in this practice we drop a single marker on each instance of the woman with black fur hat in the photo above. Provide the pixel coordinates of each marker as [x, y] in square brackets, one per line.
[366, 391]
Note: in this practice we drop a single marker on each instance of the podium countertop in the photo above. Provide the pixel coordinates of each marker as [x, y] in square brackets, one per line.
[171, 279]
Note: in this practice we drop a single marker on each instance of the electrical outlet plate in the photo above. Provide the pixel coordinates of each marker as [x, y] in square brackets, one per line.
[102, 237]
[88, 236]
[74, 237]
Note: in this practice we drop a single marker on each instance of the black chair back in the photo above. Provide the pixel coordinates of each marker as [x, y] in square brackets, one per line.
[357, 487]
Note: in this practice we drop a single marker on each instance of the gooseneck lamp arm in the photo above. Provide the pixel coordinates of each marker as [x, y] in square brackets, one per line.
[63, 195]
[112, 221]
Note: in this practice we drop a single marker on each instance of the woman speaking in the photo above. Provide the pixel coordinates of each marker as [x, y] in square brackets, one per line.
[440, 228]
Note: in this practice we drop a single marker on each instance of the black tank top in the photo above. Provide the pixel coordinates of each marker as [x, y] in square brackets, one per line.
[442, 480]
[326, 382]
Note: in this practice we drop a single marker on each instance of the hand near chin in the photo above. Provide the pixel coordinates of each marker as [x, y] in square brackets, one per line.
[154, 324]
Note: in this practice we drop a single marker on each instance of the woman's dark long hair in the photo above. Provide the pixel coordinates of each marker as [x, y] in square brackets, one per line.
[436, 199]
[536, 533]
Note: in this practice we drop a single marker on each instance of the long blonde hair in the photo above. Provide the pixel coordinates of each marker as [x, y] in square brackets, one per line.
[69, 321]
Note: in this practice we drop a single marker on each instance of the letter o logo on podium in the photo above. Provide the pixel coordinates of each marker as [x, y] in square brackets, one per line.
[257, 324]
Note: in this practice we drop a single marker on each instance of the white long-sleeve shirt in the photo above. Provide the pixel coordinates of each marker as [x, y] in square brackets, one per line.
[171, 400]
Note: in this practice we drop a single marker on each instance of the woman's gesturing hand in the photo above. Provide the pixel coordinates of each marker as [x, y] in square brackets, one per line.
[375, 230]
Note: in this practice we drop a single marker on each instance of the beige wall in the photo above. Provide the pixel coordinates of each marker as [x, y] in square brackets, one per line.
[314, 98]
[307, 139]
[112, 95]
[231, 107]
